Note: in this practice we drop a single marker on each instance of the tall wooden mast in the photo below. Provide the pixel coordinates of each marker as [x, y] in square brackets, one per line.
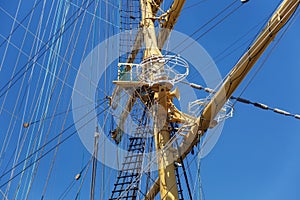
[153, 44]
[162, 101]
[279, 18]
[168, 187]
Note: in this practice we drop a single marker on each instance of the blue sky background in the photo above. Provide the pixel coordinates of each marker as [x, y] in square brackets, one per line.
[256, 156]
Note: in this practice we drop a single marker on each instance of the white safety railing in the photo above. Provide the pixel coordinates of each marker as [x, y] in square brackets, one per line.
[155, 69]
[196, 107]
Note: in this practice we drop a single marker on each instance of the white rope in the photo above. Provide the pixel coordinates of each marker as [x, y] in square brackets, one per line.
[95, 16]
[12, 28]
[38, 104]
[52, 61]
[20, 132]
[41, 40]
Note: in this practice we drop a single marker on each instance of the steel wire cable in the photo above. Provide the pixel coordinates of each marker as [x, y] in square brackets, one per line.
[212, 27]
[6, 48]
[70, 186]
[37, 56]
[15, 46]
[18, 25]
[43, 103]
[60, 93]
[207, 23]
[51, 149]
[51, 140]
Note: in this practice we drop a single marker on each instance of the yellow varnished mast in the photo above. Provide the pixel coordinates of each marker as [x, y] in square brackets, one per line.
[166, 170]
[166, 182]
[233, 80]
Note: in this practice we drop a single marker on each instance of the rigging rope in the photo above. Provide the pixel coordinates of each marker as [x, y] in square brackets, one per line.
[276, 110]
[39, 28]
[27, 124]
[212, 27]
[82, 180]
[246, 101]
[52, 61]
[40, 40]
[20, 134]
[76, 178]
[206, 24]
[18, 25]
[72, 54]
[8, 132]
[188, 166]
[193, 5]
[6, 143]
[6, 48]
[247, 61]
[55, 137]
[47, 88]
[36, 57]
[186, 178]
[47, 152]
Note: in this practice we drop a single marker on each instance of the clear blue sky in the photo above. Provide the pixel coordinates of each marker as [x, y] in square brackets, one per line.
[256, 156]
